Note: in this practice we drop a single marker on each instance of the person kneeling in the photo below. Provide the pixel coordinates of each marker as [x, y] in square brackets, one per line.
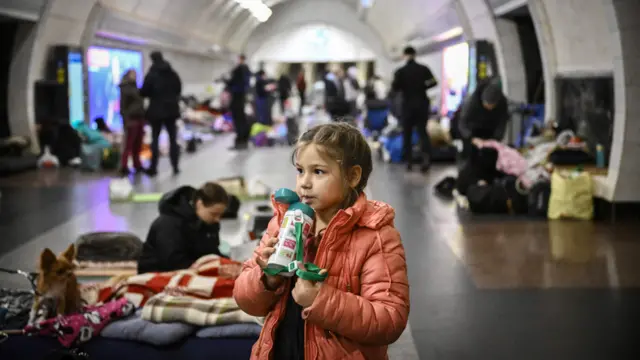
[188, 228]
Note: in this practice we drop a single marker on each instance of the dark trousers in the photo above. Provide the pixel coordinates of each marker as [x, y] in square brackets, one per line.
[174, 150]
[263, 110]
[239, 118]
[303, 98]
[134, 134]
[415, 117]
[283, 103]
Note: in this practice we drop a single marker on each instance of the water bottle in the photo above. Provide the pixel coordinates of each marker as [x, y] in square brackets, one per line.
[600, 162]
[295, 228]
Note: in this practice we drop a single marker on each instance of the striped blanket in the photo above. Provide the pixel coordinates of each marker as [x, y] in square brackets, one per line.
[165, 308]
[201, 281]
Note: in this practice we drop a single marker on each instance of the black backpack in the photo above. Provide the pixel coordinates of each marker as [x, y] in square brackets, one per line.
[538, 199]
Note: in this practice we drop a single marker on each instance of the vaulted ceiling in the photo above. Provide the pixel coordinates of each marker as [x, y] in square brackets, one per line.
[225, 23]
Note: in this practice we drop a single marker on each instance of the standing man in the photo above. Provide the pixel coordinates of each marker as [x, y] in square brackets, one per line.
[412, 82]
[301, 84]
[284, 90]
[335, 102]
[163, 87]
[238, 86]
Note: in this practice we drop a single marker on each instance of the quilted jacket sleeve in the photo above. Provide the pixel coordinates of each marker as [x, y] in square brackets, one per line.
[379, 315]
[249, 290]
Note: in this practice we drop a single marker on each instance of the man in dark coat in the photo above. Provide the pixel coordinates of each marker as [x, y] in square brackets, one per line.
[411, 82]
[284, 90]
[163, 87]
[188, 228]
[238, 86]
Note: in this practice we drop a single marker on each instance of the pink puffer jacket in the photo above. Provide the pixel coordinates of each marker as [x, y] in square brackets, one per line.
[363, 305]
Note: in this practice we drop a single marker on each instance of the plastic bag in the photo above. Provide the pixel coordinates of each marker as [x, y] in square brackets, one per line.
[48, 160]
[571, 196]
[120, 189]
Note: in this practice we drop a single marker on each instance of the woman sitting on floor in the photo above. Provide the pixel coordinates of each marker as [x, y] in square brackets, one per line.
[188, 228]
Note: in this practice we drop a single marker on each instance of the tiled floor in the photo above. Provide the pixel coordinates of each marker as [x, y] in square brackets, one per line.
[485, 288]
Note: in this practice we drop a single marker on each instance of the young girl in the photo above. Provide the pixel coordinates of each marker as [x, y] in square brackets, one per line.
[363, 305]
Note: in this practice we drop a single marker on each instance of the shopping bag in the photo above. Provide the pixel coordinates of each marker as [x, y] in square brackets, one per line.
[120, 190]
[48, 160]
[571, 196]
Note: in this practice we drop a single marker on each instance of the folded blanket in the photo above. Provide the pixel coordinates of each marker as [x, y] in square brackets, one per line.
[230, 331]
[107, 265]
[134, 328]
[72, 330]
[18, 305]
[201, 280]
[168, 308]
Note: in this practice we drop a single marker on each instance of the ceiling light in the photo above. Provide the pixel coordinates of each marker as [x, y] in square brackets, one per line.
[257, 8]
[367, 4]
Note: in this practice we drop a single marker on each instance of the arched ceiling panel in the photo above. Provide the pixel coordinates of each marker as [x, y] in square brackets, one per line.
[184, 16]
[202, 19]
[236, 25]
[336, 13]
[332, 12]
[122, 5]
[227, 22]
[237, 39]
[151, 9]
[176, 12]
[415, 18]
[213, 24]
[313, 43]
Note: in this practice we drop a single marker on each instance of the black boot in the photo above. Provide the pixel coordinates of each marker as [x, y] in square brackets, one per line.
[426, 164]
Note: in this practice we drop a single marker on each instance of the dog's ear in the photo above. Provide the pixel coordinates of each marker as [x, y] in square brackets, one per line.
[47, 259]
[70, 253]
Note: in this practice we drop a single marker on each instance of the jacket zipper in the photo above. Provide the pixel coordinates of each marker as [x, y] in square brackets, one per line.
[275, 326]
[317, 261]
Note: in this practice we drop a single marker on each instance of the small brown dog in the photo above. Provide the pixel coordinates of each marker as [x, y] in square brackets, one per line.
[57, 286]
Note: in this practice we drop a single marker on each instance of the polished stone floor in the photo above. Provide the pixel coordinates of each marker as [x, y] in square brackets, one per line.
[481, 288]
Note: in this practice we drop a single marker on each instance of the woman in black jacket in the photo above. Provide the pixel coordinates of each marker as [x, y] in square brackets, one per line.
[132, 111]
[188, 228]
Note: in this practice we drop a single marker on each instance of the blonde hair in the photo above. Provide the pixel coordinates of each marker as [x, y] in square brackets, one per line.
[344, 144]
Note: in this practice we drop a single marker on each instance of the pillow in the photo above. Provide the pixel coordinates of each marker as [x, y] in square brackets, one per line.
[134, 328]
[230, 331]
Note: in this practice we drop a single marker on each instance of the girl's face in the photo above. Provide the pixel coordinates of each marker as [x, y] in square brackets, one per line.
[132, 75]
[319, 183]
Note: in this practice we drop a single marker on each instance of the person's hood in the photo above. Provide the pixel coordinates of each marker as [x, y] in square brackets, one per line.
[161, 66]
[178, 202]
[127, 82]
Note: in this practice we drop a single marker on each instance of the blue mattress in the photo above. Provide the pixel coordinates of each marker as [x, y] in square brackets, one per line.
[36, 348]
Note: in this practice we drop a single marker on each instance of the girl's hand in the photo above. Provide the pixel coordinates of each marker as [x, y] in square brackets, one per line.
[271, 282]
[305, 291]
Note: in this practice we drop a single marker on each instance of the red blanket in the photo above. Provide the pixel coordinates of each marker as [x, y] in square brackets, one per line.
[202, 280]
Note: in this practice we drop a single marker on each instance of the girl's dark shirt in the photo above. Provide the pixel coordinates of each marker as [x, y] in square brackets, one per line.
[289, 336]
